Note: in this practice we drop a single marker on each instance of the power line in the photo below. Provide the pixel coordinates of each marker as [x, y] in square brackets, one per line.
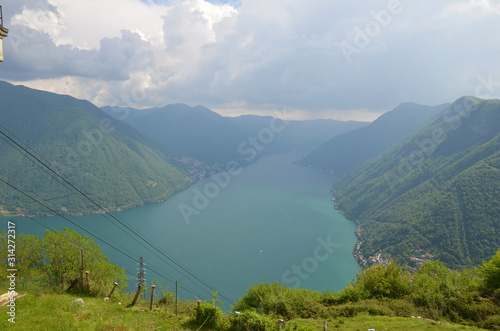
[135, 232]
[87, 231]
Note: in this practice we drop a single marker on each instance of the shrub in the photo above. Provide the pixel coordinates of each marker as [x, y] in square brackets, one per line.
[350, 293]
[211, 316]
[280, 300]
[491, 323]
[490, 273]
[251, 322]
[55, 258]
[384, 281]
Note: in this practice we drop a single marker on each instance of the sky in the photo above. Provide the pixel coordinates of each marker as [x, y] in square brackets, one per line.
[302, 59]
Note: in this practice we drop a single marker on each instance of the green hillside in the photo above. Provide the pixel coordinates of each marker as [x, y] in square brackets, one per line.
[111, 162]
[438, 191]
[345, 152]
[385, 297]
[197, 132]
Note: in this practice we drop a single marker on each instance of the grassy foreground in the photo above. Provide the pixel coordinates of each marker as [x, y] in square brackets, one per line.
[56, 312]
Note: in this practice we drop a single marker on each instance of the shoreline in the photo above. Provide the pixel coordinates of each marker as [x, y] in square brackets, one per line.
[357, 252]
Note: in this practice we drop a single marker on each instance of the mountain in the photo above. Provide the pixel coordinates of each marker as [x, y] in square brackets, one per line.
[349, 150]
[196, 132]
[304, 135]
[435, 193]
[105, 158]
[202, 134]
[127, 114]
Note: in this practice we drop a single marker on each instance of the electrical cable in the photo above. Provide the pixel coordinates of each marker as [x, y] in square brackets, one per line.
[100, 239]
[135, 232]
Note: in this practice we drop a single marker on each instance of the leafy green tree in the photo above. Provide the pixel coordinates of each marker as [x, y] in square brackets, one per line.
[29, 258]
[490, 272]
[56, 258]
[61, 253]
[385, 281]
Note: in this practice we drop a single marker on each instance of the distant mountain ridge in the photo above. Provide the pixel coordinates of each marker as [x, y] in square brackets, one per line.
[349, 150]
[437, 191]
[202, 134]
[107, 159]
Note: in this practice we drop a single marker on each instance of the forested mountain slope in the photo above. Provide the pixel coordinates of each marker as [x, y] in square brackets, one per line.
[438, 191]
[349, 150]
[108, 160]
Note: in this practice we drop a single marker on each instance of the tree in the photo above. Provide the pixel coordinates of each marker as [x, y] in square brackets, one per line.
[56, 257]
[385, 280]
[490, 273]
[61, 252]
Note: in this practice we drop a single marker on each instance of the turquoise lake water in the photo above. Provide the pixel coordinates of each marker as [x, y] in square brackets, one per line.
[273, 222]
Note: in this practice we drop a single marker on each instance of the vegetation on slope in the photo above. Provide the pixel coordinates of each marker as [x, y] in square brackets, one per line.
[383, 296]
[349, 150]
[435, 193]
[54, 261]
[103, 157]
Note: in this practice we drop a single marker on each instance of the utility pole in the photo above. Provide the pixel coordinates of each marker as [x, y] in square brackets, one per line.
[3, 33]
[141, 281]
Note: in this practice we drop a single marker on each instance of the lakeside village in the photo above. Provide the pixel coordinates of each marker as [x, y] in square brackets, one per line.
[376, 258]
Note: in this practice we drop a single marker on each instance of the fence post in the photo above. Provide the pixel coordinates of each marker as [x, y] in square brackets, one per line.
[280, 321]
[136, 295]
[325, 326]
[166, 301]
[198, 304]
[111, 293]
[152, 297]
[81, 269]
[176, 298]
[88, 280]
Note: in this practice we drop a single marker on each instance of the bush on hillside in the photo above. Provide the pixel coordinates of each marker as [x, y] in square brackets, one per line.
[56, 258]
[490, 273]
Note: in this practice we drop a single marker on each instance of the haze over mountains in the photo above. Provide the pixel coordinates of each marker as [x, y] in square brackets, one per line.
[418, 180]
[202, 134]
[349, 150]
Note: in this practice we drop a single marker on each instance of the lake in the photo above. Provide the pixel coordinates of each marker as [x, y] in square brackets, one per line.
[274, 221]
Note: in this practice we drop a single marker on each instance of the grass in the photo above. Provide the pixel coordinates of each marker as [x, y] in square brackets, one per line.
[56, 312]
[364, 322]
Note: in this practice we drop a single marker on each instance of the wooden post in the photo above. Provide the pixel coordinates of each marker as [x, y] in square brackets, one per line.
[325, 326]
[73, 285]
[166, 301]
[175, 297]
[88, 281]
[198, 304]
[280, 321]
[111, 293]
[81, 269]
[136, 295]
[152, 297]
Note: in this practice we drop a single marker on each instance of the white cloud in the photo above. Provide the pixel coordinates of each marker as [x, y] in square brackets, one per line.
[477, 8]
[260, 56]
